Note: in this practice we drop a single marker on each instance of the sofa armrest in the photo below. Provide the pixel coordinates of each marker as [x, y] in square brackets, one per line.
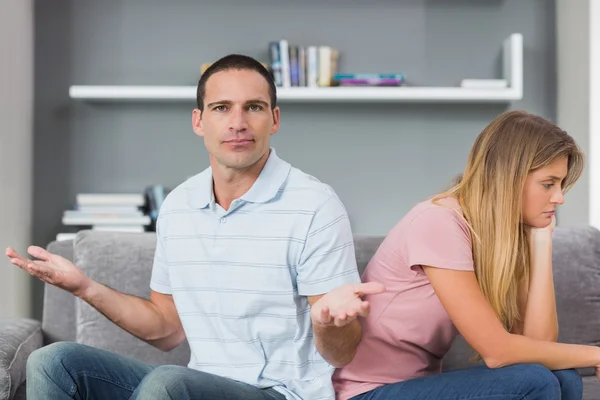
[18, 339]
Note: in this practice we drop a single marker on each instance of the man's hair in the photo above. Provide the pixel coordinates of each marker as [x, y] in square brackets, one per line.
[235, 62]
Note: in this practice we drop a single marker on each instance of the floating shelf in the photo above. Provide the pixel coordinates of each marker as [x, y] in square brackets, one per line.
[512, 71]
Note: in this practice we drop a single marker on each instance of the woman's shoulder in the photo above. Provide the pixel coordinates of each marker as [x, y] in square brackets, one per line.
[427, 217]
[436, 210]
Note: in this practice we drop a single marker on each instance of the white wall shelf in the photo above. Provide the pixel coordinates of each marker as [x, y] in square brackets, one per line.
[512, 71]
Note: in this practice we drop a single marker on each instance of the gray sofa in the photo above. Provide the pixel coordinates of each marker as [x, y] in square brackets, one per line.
[123, 261]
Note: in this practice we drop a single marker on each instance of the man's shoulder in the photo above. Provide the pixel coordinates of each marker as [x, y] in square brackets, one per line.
[307, 189]
[179, 197]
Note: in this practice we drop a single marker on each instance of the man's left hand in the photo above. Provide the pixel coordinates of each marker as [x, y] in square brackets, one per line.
[344, 304]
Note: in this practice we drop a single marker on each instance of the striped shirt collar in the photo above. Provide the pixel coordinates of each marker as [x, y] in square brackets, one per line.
[270, 180]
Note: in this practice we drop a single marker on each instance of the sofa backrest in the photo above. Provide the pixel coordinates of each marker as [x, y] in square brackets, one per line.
[58, 318]
[123, 261]
[59, 306]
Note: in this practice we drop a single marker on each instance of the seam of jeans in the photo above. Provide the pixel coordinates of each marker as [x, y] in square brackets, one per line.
[73, 389]
[104, 378]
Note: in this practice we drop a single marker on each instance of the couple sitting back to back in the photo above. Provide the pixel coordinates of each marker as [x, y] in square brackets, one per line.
[255, 267]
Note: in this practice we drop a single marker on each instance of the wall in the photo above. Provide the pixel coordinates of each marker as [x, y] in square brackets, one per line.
[380, 158]
[16, 137]
[573, 95]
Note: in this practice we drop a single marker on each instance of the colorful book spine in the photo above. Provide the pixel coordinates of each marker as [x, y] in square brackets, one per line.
[275, 63]
[339, 76]
[370, 82]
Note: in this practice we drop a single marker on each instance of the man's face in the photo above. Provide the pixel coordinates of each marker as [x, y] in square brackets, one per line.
[237, 121]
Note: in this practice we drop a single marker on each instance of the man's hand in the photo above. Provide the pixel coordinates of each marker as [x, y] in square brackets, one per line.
[51, 268]
[155, 321]
[342, 305]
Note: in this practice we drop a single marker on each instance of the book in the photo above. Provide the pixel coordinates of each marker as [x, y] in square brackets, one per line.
[104, 199]
[324, 66]
[275, 63]
[284, 53]
[312, 69]
[294, 66]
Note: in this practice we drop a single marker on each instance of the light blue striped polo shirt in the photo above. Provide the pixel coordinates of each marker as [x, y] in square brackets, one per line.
[240, 277]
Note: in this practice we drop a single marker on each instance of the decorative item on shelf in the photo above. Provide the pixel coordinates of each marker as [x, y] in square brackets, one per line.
[365, 79]
[204, 67]
[155, 195]
[484, 83]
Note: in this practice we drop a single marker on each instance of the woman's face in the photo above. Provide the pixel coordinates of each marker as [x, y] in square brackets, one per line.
[543, 192]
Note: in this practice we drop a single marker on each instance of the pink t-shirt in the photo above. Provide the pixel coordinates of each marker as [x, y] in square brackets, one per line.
[408, 332]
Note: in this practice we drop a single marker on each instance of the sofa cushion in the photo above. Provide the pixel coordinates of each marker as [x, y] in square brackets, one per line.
[591, 388]
[576, 268]
[21, 393]
[18, 339]
[365, 247]
[122, 261]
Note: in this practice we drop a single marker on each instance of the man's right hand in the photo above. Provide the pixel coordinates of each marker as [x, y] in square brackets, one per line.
[155, 320]
[51, 268]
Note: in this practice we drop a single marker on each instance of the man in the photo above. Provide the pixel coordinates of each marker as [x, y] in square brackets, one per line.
[254, 265]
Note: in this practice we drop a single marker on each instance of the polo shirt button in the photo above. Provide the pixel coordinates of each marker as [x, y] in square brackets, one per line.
[223, 220]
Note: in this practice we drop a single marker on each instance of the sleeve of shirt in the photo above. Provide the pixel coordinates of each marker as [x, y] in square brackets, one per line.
[160, 281]
[328, 259]
[439, 237]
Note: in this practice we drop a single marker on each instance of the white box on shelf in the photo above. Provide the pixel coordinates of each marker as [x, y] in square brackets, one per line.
[484, 83]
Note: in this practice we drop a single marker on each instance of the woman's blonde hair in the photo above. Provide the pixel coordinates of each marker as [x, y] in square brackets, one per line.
[490, 195]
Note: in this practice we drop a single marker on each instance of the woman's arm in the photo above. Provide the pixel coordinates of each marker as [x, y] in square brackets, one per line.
[539, 314]
[475, 319]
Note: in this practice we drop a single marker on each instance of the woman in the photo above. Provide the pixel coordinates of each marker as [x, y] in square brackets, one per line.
[477, 259]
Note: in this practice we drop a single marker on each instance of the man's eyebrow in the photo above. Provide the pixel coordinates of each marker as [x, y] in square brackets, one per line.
[229, 102]
[214, 103]
[258, 101]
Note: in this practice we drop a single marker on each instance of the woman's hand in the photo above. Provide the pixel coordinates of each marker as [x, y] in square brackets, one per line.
[542, 236]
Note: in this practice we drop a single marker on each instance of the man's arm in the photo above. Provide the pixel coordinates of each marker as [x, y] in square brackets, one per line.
[155, 321]
[328, 276]
[337, 344]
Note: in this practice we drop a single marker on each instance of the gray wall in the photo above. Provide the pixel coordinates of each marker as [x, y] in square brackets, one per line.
[573, 94]
[381, 159]
[16, 138]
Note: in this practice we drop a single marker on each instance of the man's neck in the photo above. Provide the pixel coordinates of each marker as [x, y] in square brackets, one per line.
[230, 184]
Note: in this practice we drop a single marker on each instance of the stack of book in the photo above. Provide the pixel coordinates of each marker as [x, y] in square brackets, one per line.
[107, 212]
[302, 66]
[293, 65]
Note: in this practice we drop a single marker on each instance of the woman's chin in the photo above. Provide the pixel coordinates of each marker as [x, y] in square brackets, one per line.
[538, 223]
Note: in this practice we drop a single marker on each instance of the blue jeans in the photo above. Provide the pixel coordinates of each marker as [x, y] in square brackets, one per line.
[516, 382]
[75, 371]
